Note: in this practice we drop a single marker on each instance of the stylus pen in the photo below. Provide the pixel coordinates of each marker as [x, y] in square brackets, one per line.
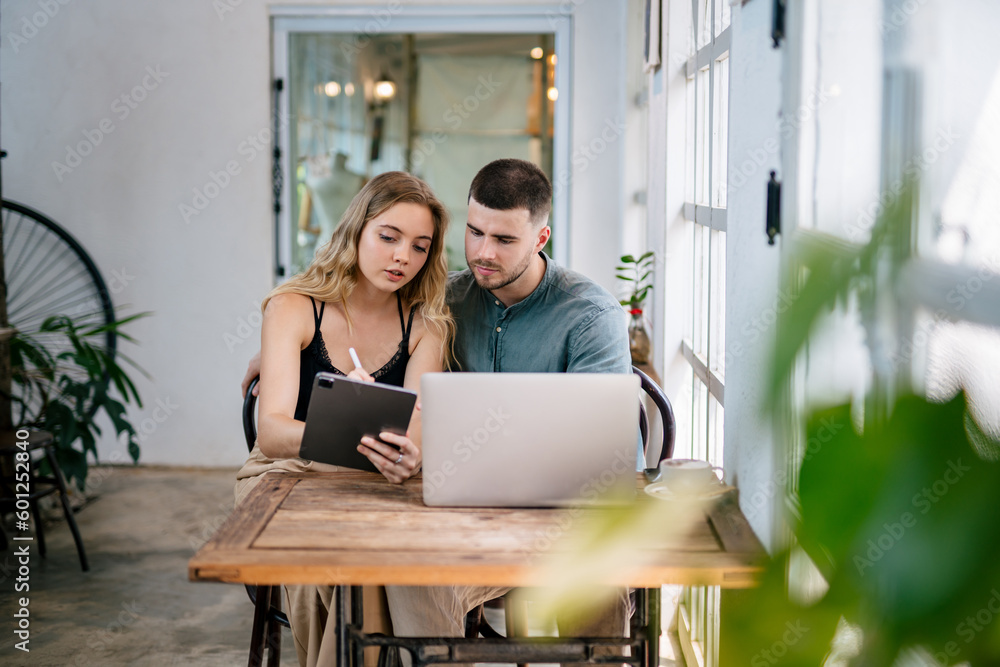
[354, 358]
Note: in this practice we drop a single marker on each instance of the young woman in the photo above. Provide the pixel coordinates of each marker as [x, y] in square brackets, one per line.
[378, 286]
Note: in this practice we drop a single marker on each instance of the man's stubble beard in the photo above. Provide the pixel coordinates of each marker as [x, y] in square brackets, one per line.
[504, 279]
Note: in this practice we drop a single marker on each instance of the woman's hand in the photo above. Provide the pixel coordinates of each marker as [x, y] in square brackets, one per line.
[360, 374]
[398, 465]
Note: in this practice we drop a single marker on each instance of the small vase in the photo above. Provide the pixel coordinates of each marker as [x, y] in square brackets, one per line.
[638, 338]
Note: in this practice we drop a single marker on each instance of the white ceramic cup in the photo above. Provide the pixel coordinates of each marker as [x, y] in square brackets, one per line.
[688, 476]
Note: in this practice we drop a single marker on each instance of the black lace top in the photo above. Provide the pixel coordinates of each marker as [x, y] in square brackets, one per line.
[314, 358]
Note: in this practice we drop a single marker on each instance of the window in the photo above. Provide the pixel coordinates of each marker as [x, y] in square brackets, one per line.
[871, 116]
[698, 244]
[876, 112]
[704, 214]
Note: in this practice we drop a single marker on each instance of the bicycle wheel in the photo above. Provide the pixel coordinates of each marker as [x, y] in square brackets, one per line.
[49, 273]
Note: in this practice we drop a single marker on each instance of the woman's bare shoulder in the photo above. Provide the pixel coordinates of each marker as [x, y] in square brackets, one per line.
[421, 330]
[292, 314]
[289, 304]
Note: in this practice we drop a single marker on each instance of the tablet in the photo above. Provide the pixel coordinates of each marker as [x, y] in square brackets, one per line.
[342, 410]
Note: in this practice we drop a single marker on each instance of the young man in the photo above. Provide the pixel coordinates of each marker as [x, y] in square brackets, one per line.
[516, 311]
[515, 292]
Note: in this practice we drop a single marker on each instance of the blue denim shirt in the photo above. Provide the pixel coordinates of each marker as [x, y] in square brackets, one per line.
[568, 324]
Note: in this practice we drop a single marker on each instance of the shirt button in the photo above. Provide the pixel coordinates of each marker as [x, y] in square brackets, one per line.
[498, 329]
[497, 302]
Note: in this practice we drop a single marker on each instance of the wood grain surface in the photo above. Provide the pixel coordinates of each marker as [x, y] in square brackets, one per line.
[357, 528]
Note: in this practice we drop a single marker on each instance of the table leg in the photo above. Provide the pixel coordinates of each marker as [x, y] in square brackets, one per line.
[357, 621]
[343, 649]
[638, 625]
[274, 629]
[653, 626]
[258, 634]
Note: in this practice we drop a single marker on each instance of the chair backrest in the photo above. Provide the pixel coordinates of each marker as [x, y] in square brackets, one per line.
[666, 415]
[249, 425]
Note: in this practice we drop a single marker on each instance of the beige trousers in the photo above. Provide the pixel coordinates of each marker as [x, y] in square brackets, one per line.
[312, 617]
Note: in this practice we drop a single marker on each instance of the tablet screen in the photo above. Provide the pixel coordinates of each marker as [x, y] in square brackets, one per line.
[343, 410]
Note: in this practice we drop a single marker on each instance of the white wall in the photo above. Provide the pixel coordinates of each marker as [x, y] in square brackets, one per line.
[598, 138]
[204, 278]
[635, 138]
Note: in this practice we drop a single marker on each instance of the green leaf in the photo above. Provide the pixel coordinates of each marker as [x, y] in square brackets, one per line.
[116, 412]
[628, 259]
[74, 466]
[62, 374]
[117, 324]
[756, 620]
[133, 450]
[829, 277]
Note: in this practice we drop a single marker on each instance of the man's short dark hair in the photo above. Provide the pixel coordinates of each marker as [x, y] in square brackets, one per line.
[508, 184]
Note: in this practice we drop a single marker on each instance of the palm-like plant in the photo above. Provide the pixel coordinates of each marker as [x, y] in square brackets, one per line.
[63, 378]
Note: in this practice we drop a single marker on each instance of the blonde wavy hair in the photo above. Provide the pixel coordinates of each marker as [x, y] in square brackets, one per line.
[333, 274]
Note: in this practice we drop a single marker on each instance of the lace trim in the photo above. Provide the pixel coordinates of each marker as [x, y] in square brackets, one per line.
[318, 347]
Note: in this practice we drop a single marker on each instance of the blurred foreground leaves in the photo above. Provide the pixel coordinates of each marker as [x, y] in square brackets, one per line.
[902, 522]
[899, 511]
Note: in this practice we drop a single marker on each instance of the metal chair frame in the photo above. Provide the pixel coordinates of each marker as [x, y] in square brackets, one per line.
[41, 486]
[267, 621]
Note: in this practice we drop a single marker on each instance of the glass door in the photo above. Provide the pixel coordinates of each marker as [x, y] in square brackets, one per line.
[436, 96]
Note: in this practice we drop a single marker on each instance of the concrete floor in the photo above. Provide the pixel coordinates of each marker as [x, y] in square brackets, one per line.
[135, 606]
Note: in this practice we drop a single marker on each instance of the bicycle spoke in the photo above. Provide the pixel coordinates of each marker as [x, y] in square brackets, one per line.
[42, 305]
[49, 273]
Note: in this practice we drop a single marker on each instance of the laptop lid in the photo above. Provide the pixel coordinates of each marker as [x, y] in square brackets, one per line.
[528, 439]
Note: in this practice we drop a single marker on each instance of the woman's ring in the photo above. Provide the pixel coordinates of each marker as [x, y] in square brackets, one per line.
[400, 458]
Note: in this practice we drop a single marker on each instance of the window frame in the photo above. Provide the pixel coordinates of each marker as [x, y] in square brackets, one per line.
[703, 221]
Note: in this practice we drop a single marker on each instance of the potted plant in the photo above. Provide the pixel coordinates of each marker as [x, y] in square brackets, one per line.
[63, 378]
[637, 272]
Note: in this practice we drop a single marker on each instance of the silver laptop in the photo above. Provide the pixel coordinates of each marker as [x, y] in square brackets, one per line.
[528, 439]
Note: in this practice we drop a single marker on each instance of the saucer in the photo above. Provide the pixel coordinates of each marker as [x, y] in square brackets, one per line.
[663, 492]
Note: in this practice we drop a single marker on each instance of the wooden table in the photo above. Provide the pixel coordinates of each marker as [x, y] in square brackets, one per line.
[349, 529]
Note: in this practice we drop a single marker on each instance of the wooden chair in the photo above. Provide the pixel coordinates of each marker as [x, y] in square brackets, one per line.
[39, 442]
